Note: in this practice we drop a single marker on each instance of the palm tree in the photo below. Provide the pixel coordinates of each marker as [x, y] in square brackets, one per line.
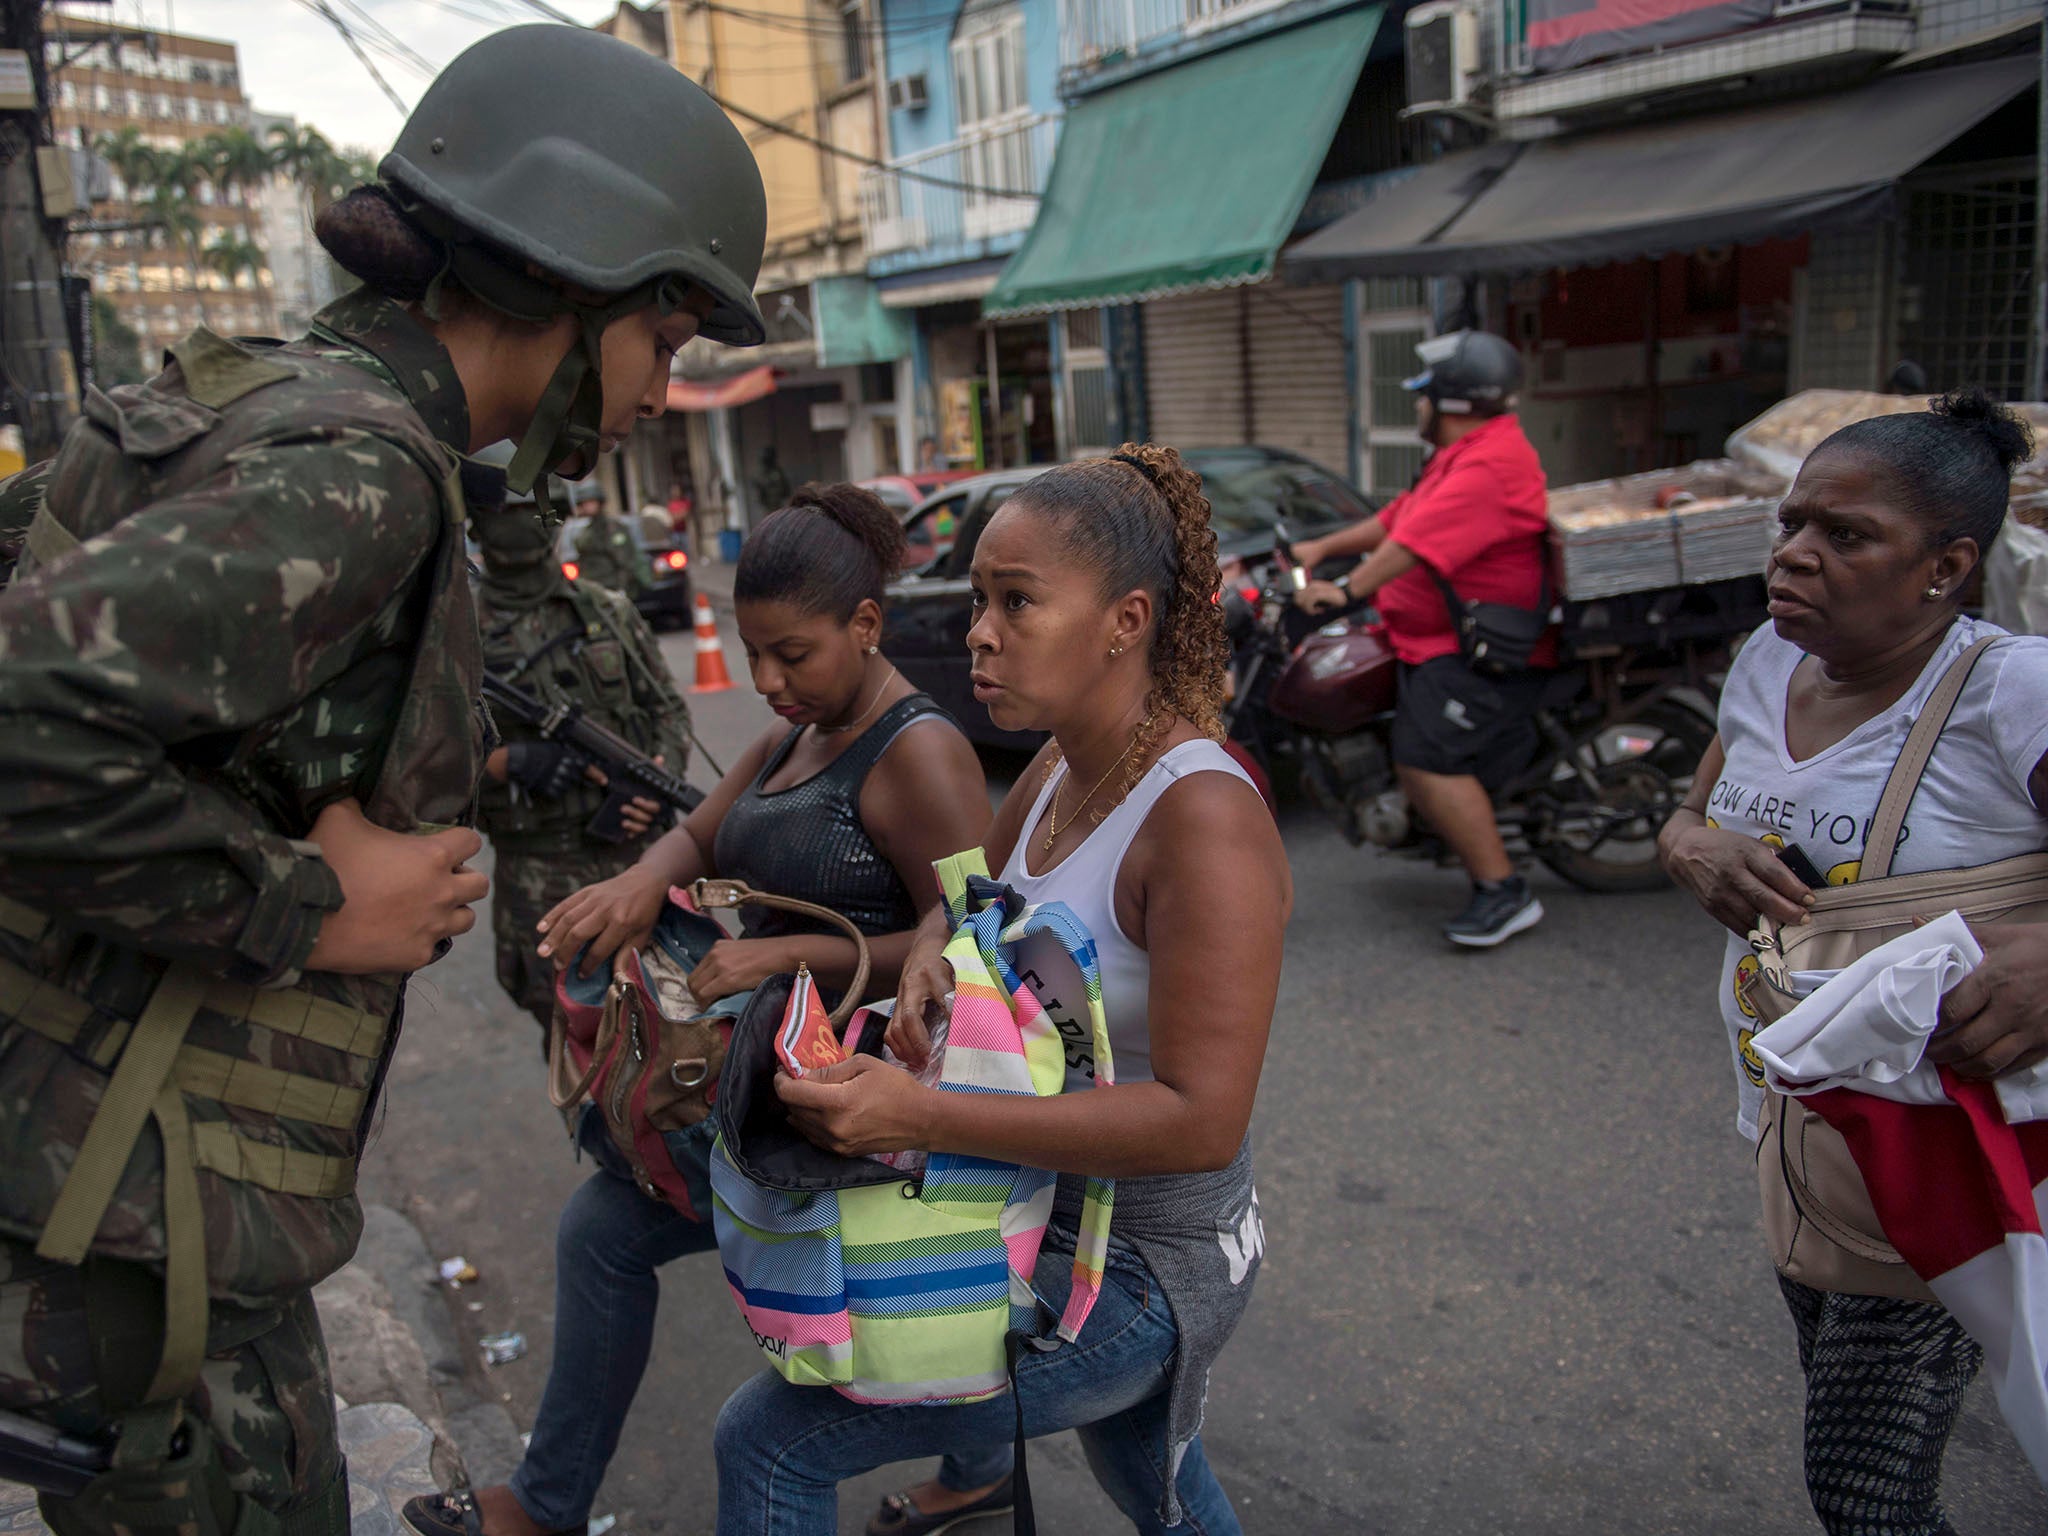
[306, 156]
[132, 158]
[240, 161]
[176, 212]
[232, 257]
[322, 176]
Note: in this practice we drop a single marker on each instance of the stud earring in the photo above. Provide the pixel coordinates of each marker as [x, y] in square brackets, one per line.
[874, 650]
[1933, 594]
[1116, 650]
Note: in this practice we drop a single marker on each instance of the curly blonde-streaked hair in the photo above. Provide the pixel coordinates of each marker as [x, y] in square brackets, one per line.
[1145, 524]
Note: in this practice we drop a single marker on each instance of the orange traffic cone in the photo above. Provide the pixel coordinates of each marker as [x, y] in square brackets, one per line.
[711, 674]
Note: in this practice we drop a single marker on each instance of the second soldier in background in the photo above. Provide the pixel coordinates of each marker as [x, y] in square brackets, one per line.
[571, 642]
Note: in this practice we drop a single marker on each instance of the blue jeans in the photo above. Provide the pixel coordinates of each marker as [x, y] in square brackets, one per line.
[610, 1242]
[783, 1450]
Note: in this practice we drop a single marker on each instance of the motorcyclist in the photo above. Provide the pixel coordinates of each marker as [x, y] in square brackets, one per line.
[1476, 520]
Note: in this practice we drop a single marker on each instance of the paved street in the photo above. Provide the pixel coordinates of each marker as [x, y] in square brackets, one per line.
[1513, 1282]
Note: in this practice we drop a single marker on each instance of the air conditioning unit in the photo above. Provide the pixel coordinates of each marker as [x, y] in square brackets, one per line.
[908, 93]
[1444, 55]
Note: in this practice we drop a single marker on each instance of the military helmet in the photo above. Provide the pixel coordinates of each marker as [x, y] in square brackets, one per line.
[601, 166]
[598, 163]
[1468, 373]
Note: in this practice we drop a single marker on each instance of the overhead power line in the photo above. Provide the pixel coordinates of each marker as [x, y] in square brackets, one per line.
[326, 12]
[541, 7]
[868, 160]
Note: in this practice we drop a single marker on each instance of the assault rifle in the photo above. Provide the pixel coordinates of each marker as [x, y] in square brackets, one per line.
[628, 771]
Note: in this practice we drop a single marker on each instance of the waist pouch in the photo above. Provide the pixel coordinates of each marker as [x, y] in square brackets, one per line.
[894, 1288]
[1496, 639]
[1819, 1218]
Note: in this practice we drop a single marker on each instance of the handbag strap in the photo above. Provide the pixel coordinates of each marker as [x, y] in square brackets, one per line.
[1899, 789]
[731, 894]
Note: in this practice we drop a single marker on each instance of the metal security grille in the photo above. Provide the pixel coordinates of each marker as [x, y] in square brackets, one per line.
[1393, 457]
[1969, 246]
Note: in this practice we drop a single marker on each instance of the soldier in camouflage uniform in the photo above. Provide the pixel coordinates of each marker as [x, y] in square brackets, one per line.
[569, 642]
[239, 729]
[606, 555]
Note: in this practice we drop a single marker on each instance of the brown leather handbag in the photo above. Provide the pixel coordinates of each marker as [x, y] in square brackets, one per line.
[647, 1059]
[1818, 1217]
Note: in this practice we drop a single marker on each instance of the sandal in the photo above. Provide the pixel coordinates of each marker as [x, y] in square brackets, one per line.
[900, 1516]
[455, 1514]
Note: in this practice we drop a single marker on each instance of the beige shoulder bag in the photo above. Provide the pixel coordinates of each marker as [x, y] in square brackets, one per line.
[1818, 1217]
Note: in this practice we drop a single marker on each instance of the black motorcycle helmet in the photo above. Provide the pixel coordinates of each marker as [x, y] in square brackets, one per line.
[1468, 373]
[562, 151]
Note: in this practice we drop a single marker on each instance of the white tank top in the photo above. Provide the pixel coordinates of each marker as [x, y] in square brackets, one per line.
[1086, 882]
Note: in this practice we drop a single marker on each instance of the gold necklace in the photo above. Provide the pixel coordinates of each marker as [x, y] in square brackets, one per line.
[1052, 814]
[835, 730]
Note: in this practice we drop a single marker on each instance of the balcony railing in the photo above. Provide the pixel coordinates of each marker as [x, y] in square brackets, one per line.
[1095, 34]
[983, 184]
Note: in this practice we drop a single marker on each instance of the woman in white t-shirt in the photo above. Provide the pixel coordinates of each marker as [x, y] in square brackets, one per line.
[1877, 540]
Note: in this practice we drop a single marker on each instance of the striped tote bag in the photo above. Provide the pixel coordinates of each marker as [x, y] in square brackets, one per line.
[895, 1287]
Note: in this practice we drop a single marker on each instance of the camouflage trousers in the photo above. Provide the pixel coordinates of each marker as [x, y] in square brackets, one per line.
[265, 1391]
[524, 886]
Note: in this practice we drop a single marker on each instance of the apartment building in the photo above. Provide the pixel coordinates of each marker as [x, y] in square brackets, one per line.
[172, 91]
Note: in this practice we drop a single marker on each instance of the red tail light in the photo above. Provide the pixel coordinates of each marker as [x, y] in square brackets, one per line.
[677, 560]
[1249, 594]
[571, 569]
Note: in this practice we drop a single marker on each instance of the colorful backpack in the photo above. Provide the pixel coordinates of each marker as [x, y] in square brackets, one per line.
[896, 1288]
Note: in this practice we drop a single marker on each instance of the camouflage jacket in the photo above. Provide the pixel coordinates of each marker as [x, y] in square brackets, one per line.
[613, 669]
[267, 613]
[607, 555]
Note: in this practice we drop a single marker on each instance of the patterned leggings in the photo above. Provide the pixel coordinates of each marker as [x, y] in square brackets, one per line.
[1884, 1382]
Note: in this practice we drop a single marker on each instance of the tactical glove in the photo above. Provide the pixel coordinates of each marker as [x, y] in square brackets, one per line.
[545, 769]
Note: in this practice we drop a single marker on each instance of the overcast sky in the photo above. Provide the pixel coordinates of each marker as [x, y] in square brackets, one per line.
[295, 63]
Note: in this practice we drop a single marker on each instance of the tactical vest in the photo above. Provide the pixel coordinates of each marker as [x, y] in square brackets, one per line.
[260, 1098]
[599, 672]
[609, 556]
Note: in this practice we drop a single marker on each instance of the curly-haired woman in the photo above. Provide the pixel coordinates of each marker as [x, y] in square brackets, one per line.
[1095, 620]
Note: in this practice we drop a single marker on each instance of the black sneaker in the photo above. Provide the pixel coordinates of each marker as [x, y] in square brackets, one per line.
[1495, 913]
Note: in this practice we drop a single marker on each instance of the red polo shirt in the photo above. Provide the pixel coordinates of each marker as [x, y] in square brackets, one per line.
[1477, 517]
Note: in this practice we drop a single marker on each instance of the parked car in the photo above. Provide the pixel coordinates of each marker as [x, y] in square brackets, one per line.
[1251, 491]
[665, 600]
[899, 493]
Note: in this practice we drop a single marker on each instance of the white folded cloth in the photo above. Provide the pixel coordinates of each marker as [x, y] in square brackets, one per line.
[1866, 1027]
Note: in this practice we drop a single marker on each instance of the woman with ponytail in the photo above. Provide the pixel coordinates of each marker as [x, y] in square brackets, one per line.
[845, 804]
[1094, 597]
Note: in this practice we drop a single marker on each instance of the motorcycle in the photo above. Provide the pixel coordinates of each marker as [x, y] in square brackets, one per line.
[1620, 729]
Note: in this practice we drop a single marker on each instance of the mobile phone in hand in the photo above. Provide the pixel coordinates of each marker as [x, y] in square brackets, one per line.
[1795, 859]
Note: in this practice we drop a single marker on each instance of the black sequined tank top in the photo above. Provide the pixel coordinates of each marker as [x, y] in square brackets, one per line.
[807, 840]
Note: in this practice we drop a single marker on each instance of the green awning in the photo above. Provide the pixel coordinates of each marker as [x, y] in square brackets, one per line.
[1189, 177]
[853, 325]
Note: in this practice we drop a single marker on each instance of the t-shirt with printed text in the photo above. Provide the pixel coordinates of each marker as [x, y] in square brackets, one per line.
[1973, 805]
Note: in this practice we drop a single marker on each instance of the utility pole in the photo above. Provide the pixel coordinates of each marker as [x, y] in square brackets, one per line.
[38, 376]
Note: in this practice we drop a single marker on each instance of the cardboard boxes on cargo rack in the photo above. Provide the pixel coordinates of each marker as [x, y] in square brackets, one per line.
[1712, 520]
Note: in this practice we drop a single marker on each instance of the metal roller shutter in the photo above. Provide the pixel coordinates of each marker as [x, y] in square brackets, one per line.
[1299, 399]
[1194, 369]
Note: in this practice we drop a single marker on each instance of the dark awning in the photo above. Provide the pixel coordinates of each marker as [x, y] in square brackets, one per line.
[1188, 177]
[1733, 177]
